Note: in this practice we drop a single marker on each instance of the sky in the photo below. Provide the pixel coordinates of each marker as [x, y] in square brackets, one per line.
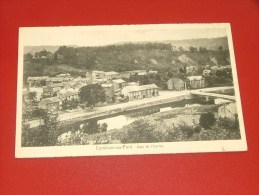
[106, 35]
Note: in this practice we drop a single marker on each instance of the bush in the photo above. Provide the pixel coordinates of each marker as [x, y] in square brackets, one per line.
[182, 132]
[142, 131]
[229, 124]
[207, 120]
[72, 138]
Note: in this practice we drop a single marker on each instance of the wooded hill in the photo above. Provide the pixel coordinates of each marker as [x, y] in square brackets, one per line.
[163, 57]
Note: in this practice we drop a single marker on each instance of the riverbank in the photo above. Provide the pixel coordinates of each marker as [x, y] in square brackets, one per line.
[163, 120]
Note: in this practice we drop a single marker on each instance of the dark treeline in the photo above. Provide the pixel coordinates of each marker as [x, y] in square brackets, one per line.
[125, 57]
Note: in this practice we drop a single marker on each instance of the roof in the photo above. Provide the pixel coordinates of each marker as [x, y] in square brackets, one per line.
[67, 93]
[97, 71]
[139, 88]
[232, 108]
[110, 73]
[58, 85]
[106, 85]
[136, 71]
[192, 78]
[132, 83]
[63, 75]
[49, 101]
[118, 81]
[59, 79]
[175, 79]
[38, 78]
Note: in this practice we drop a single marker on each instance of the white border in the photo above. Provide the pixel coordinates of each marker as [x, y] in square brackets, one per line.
[127, 149]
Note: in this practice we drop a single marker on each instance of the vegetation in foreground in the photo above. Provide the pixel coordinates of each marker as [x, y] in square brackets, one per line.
[142, 130]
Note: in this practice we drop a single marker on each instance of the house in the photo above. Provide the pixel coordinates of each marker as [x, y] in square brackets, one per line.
[51, 80]
[136, 72]
[37, 81]
[190, 69]
[228, 111]
[214, 69]
[176, 84]
[52, 89]
[68, 94]
[53, 103]
[221, 101]
[118, 84]
[206, 72]
[140, 92]
[64, 75]
[109, 93]
[196, 81]
[152, 72]
[98, 75]
[110, 75]
[132, 84]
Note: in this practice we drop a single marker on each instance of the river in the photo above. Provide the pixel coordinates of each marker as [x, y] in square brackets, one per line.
[117, 121]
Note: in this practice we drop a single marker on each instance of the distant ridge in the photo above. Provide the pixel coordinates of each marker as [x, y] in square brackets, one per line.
[209, 43]
[50, 48]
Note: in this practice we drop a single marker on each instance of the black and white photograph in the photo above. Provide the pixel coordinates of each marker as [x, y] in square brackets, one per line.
[127, 89]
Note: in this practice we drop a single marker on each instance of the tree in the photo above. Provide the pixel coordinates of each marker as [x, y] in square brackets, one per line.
[207, 120]
[49, 129]
[44, 135]
[91, 127]
[38, 113]
[92, 94]
[103, 127]
[27, 57]
[32, 96]
[193, 49]
[142, 131]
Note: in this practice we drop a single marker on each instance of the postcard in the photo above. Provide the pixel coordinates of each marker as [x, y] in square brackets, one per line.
[127, 90]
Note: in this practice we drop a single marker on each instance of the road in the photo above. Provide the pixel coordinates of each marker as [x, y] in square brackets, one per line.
[163, 97]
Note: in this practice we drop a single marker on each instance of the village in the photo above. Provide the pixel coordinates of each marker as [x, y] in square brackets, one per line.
[55, 92]
[61, 93]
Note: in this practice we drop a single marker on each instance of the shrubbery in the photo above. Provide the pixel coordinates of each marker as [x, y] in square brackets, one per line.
[207, 120]
[142, 131]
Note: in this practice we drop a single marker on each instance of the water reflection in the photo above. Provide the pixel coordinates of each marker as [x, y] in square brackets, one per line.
[117, 122]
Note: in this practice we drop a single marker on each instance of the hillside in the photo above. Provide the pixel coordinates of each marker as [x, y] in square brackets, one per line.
[210, 44]
[34, 49]
[125, 57]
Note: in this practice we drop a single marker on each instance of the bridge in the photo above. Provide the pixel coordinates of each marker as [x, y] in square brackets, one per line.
[214, 95]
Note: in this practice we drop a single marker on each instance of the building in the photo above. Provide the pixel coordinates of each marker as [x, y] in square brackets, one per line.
[152, 72]
[214, 69]
[118, 84]
[206, 72]
[140, 92]
[68, 94]
[98, 75]
[221, 101]
[196, 82]
[132, 84]
[52, 89]
[37, 81]
[176, 84]
[110, 75]
[190, 69]
[51, 80]
[53, 103]
[228, 111]
[64, 75]
[136, 72]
